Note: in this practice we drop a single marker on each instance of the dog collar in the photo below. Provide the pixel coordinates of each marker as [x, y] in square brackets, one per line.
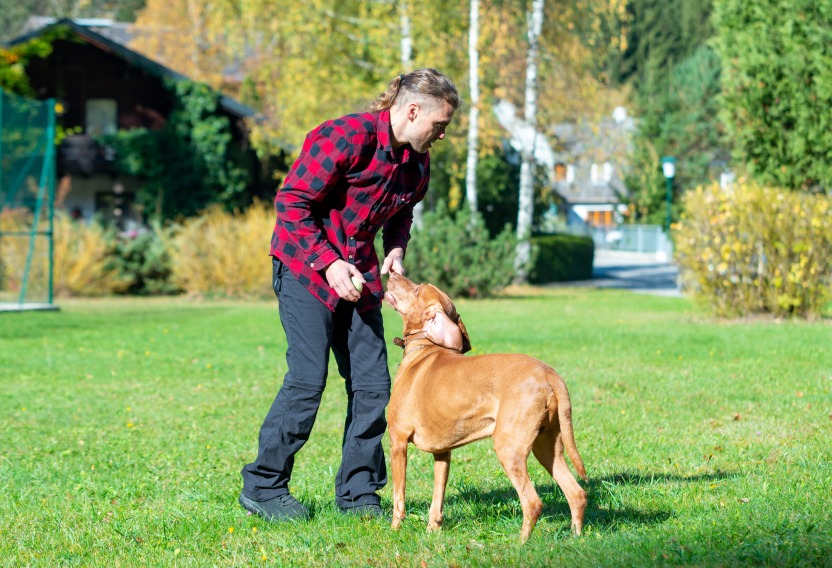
[407, 339]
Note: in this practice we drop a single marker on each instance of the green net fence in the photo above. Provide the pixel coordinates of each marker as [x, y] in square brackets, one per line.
[27, 196]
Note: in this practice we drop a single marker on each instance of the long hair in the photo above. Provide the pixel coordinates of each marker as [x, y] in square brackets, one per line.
[422, 85]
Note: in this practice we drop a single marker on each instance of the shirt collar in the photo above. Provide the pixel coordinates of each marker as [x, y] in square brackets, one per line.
[383, 131]
[385, 140]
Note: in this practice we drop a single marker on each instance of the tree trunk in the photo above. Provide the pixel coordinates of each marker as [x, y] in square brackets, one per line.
[526, 197]
[473, 113]
[407, 65]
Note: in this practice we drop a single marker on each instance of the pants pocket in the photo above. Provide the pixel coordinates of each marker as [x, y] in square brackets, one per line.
[277, 275]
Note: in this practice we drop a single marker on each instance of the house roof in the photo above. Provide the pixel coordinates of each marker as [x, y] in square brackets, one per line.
[108, 43]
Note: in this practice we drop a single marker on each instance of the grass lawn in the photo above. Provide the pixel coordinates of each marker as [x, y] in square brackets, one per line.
[124, 424]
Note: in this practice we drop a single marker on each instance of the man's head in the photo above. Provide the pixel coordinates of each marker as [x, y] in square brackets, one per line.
[422, 104]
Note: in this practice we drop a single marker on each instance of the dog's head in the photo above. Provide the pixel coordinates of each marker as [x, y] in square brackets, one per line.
[425, 308]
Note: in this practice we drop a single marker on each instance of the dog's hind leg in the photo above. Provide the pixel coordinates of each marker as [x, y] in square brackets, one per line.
[548, 449]
[441, 467]
[513, 451]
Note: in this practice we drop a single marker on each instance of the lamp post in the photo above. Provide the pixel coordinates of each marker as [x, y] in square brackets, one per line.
[669, 171]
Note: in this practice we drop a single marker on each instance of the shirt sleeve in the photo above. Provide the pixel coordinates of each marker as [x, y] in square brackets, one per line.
[397, 228]
[322, 163]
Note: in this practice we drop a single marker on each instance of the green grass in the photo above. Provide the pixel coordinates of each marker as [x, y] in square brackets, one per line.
[124, 424]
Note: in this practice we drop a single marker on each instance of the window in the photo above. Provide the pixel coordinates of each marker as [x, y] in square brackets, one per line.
[102, 116]
[607, 171]
[601, 174]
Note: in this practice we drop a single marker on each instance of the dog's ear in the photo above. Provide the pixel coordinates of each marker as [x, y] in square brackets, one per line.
[442, 331]
[466, 341]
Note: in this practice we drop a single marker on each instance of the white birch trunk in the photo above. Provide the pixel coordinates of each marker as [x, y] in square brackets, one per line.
[406, 44]
[526, 196]
[473, 113]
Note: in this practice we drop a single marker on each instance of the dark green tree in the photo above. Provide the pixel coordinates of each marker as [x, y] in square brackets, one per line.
[777, 88]
[675, 80]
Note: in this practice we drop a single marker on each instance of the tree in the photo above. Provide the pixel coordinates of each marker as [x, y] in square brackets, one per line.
[473, 111]
[526, 193]
[675, 80]
[181, 35]
[777, 88]
[687, 128]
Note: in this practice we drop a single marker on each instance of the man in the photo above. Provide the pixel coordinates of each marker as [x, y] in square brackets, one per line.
[354, 175]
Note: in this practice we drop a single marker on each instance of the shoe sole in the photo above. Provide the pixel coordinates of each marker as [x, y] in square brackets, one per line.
[253, 508]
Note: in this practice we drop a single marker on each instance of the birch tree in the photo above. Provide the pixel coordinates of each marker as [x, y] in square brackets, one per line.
[407, 65]
[473, 112]
[526, 194]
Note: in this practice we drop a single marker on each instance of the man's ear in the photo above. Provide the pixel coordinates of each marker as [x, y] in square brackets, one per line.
[442, 331]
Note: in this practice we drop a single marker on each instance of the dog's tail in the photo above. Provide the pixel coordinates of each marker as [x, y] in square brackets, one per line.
[565, 418]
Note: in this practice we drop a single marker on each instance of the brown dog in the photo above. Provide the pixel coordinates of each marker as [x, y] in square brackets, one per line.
[442, 400]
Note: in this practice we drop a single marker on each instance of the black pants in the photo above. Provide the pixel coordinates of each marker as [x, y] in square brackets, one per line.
[357, 341]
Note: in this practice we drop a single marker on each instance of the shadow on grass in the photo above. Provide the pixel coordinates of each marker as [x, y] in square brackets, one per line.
[637, 478]
[604, 511]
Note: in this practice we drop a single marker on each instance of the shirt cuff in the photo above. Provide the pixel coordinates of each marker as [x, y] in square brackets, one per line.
[323, 259]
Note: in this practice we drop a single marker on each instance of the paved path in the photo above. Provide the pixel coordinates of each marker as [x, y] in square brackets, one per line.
[645, 273]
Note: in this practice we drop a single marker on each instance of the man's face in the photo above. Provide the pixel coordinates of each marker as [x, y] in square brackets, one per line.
[428, 123]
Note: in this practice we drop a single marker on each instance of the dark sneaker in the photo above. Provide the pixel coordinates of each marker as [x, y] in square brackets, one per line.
[366, 511]
[281, 508]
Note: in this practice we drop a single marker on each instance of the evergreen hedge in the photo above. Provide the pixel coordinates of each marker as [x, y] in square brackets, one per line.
[561, 258]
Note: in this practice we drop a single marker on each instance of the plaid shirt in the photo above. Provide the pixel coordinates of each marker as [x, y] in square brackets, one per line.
[346, 184]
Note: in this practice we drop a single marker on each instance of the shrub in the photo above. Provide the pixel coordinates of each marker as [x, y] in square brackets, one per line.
[458, 255]
[144, 261]
[561, 258]
[755, 249]
[83, 256]
[84, 259]
[224, 254]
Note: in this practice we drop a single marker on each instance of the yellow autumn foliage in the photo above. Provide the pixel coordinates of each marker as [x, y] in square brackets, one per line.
[222, 254]
[82, 257]
[754, 249]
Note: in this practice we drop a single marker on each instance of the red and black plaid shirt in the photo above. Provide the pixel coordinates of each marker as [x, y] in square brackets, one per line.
[347, 183]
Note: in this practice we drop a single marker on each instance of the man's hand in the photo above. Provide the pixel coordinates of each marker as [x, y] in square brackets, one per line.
[339, 275]
[393, 262]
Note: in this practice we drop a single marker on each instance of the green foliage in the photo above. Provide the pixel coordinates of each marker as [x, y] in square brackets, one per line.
[675, 78]
[681, 121]
[561, 258]
[13, 62]
[498, 177]
[659, 36]
[777, 85]
[757, 250]
[457, 254]
[144, 261]
[187, 165]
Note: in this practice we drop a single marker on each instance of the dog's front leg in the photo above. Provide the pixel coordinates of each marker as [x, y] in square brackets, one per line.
[398, 462]
[441, 467]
